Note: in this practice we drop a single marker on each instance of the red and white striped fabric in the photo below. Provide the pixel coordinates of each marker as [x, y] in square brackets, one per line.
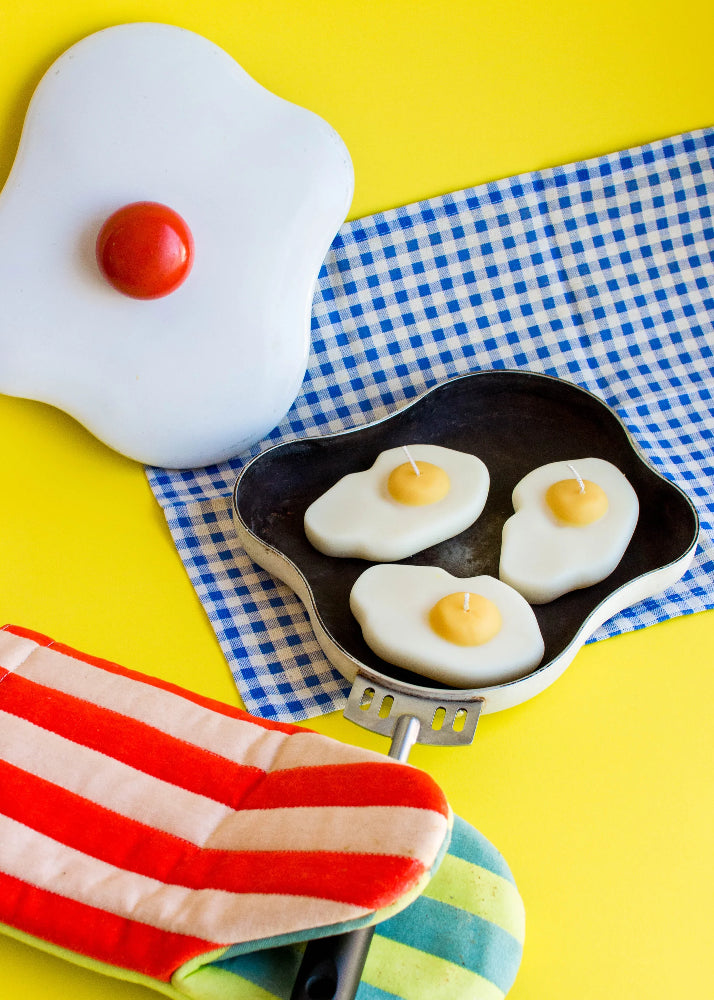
[142, 825]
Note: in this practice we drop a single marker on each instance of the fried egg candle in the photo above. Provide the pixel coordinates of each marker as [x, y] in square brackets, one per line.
[412, 497]
[161, 233]
[573, 522]
[466, 633]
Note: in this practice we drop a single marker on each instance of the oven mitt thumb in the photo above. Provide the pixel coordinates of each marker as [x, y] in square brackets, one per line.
[165, 839]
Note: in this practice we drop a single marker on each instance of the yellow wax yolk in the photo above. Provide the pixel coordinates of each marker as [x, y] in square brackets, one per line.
[405, 486]
[576, 506]
[465, 627]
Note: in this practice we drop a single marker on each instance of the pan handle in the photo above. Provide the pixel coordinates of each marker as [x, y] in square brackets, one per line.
[331, 967]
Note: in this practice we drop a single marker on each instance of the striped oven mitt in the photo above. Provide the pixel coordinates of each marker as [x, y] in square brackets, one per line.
[166, 839]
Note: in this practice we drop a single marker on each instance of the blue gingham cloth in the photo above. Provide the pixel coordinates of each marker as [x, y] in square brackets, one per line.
[600, 272]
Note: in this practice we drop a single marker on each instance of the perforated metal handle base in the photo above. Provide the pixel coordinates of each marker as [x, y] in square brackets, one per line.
[445, 719]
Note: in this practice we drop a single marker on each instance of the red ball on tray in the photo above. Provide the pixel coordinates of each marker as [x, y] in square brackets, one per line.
[145, 250]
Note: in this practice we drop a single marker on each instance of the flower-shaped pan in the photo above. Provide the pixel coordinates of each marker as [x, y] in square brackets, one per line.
[514, 421]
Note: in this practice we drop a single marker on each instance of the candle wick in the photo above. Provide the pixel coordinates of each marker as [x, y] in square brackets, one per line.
[467, 598]
[579, 478]
[414, 466]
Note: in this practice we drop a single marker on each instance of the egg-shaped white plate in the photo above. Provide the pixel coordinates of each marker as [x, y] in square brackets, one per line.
[152, 112]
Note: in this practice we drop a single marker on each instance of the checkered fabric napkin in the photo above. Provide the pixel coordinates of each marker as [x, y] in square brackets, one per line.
[600, 272]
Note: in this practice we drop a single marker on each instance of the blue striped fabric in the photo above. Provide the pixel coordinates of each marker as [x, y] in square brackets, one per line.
[459, 938]
[599, 272]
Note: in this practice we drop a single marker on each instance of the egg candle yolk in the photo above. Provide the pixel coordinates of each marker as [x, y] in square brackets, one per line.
[405, 486]
[574, 505]
[465, 626]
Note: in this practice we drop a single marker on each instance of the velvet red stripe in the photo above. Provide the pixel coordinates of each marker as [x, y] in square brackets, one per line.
[238, 786]
[95, 933]
[368, 880]
[115, 668]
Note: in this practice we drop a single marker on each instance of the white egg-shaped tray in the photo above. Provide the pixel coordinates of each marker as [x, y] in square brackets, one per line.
[152, 112]
[514, 421]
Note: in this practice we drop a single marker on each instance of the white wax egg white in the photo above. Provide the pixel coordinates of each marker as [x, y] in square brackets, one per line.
[392, 605]
[152, 112]
[357, 517]
[542, 557]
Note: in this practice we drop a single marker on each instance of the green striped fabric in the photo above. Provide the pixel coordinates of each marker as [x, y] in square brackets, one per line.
[463, 938]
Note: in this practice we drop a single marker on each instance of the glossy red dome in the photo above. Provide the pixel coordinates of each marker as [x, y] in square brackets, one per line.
[145, 250]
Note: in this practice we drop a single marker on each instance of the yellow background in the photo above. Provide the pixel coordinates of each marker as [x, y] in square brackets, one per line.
[599, 791]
